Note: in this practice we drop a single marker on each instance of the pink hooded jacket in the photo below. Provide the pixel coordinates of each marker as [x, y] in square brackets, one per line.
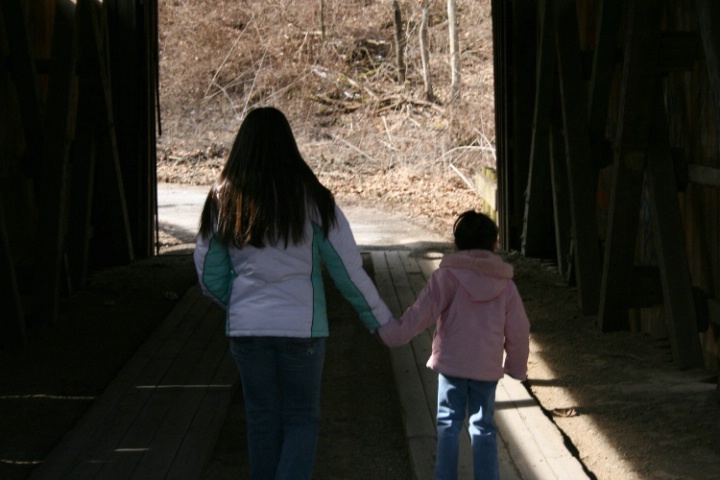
[478, 314]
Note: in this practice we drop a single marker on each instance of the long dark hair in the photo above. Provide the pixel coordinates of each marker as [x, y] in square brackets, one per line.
[266, 189]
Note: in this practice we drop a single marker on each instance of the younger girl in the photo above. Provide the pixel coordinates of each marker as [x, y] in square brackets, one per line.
[478, 315]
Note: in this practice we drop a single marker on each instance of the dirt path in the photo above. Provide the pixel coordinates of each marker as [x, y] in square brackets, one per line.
[623, 405]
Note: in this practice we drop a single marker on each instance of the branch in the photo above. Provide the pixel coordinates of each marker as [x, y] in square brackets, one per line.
[355, 148]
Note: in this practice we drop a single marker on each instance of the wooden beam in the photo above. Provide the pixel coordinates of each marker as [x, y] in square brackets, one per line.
[561, 198]
[605, 60]
[704, 175]
[713, 311]
[12, 321]
[582, 171]
[52, 188]
[83, 156]
[636, 102]
[133, 103]
[538, 235]
[23, 74]
[708, 16]
[679, 51]
[645, 287]
[679, 300]
[145, 238]
[524, 24]
[500, 9]
[113, 243]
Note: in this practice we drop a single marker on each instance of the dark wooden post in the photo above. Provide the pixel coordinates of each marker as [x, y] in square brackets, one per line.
[53, 182]
[24, 76]
[636, 102]
[605, 61]
[669, 239]
[538, 238]
[582, 171]
[12, 321]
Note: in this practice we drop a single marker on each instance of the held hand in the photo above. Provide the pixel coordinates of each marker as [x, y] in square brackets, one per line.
[378, 337]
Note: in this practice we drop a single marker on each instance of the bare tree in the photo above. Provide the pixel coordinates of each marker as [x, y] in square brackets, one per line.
[454, 51]
[399, 41]
[424, 54]
[322, 19]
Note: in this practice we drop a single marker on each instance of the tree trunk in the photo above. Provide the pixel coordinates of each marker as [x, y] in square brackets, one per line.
[424, 54]
[322, 19]
[454, 51]
[399, 42]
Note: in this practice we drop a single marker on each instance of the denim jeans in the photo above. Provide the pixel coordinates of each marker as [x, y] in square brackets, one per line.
[281, 388]
[455, 396]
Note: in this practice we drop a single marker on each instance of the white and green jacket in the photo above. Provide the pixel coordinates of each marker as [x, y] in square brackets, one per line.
[277, 291]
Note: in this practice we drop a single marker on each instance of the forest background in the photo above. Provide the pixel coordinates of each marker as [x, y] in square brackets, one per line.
[370, 130]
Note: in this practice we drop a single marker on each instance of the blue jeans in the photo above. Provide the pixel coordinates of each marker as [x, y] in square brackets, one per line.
[455, 396]
[281, 388]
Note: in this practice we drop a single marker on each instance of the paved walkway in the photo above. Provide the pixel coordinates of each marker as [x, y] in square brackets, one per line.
[161, 416]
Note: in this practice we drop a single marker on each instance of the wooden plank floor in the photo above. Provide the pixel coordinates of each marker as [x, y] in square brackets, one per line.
[530, 446]
[161, 416]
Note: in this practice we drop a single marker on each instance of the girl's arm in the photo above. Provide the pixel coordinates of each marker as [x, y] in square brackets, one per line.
[422, 314]
[344, 263]
[214, 269]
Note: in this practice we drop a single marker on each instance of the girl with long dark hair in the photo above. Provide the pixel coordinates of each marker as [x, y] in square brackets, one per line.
[267, 227]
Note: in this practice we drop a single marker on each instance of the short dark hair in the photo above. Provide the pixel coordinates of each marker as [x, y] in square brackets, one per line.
[475, 231]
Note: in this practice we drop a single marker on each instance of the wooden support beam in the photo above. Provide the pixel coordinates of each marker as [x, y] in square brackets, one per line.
[713, 311]
[132, 26]
[145, 238]
[582, 171]
[52, 188]
[605, 60]
[112, 234]
[708, 15]
[703, 175]
[636, 105]
[501, 12]
[561, 198]
[679, 301]
[678, 51]
[645, 287]
[12, 321]
[89, 115]
[538, 235]
[22, 70]
[524, 66]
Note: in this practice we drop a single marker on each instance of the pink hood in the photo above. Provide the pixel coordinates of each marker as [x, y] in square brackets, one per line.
[466, 264]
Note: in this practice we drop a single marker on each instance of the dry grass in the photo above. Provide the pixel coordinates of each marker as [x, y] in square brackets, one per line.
[367, 137]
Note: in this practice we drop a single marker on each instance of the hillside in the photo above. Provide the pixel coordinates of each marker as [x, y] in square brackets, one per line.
[367, 137]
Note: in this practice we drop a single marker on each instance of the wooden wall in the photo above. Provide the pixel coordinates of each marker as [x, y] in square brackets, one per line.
[78, 83]
[621, 128]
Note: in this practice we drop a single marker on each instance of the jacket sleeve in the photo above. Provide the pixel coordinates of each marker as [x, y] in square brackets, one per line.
[421, 315]
[214, 269]
[517, 335]
[344, 263]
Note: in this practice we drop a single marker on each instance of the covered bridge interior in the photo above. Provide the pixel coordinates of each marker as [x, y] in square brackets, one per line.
[607, 147]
